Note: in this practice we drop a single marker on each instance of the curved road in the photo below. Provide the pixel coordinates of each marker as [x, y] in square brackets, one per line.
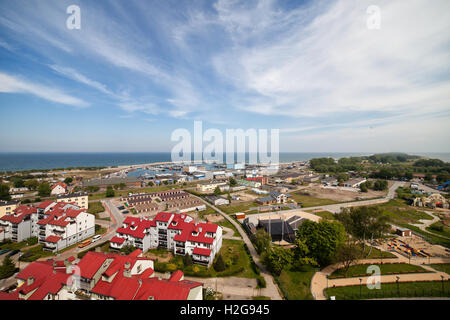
[271, 290]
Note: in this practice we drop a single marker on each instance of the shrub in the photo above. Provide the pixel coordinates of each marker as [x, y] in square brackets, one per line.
[219, 265]
[261, 282]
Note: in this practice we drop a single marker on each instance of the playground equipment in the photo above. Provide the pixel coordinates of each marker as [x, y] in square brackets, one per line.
[405, 249]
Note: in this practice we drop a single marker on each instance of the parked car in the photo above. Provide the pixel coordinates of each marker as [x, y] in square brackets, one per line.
[13, 253]
[96, 238]
[4, 251]
[126, 212]
[121, 208]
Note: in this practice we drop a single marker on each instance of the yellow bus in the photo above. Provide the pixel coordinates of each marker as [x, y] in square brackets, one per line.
[85, 243]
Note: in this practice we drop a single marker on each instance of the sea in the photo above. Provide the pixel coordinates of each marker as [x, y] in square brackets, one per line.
[21, 161]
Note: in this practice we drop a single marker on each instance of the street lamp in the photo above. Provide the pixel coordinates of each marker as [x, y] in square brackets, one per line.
[398, 287]
[360, 287]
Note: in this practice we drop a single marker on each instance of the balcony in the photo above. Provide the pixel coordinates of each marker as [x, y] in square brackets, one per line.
[162, 238]
[180, 251]
[162, 231]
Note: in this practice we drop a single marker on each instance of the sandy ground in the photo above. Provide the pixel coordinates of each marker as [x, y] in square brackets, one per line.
[161, 258]
[214, 218]
[336, 194]
[420, 244]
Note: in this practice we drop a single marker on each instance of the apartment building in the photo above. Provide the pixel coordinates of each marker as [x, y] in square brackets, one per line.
[211, 186]
[101, 276]
[176, 232]
[81, 199]
[63, 224]
[56, 225]
[7, 207]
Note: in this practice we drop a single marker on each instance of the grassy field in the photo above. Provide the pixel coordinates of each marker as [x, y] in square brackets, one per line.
[35, 253]
[225, 223]
[390, 268]
[237, 261]
[376, 253]
[13, 245]
[324, 214]
[95, 208]
[445, 232]
[399, 212]
[445, 267]
[390, 290]
[296, 285]
[308, 201]
[240, 207]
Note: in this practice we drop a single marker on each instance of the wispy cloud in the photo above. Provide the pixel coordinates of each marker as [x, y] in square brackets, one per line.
[14, 84]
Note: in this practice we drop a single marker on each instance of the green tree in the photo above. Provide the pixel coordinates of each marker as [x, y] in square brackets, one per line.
[219, 265]
[116, 187]
[44, 190]
[262, 241]
[8, 268]
[217, 191]
[322, 239]
[166, 182]
[278, 259]
[110, 192]
[364, 222]
[363, 187]
[32, 184]
[347, 254]
[302, 256]
[4, 192]
[233, 182]
[18, 182]
[151, 184]
[122, 186]
[187, 260]
[380, 185]
[68, 180]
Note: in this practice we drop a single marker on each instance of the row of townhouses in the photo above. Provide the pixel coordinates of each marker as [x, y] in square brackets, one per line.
[101, 276]
[57, 225]
[176, 232]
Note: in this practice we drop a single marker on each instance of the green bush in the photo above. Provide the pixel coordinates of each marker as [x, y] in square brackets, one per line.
[261, 282]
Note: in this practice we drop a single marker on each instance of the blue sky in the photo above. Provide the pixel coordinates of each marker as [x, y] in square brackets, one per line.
[137, 70]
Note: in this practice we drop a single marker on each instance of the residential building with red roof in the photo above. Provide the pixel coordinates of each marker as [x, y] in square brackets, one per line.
[176, 232]
[56, 225]
[59, 188]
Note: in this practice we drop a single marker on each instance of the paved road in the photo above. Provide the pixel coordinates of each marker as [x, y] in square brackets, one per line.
[271, 290]
[319, 281]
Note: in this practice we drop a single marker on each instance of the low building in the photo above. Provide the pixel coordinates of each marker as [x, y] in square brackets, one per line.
[217, 201]
[81, 199]
[311, 178]
[7, 207]
[59, 188]
[403, 232]
[354, 183]
[211, 186]
[273, 198]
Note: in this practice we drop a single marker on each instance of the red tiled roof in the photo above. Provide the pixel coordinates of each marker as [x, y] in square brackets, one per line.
[117, 240]
[202, 251]
[45, 204]
[59, 184]
[19, 214]
[91, 263]
[53, 239]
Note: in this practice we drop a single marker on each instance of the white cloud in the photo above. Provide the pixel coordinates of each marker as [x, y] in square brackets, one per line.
[13, 84]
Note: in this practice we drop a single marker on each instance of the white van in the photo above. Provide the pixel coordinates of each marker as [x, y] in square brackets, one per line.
[96, 238]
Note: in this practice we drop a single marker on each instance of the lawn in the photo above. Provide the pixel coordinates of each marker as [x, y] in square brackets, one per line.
[237, 260]
[324, 214]
[225, 223]
[13, 245]
[389, 268]
[445, 267]
[308, 201]
[296, 285]
[390, 290]
[399, 212]
[95, 208]
[240, 207]
[440, 229]
[35, 253]
[376, 253]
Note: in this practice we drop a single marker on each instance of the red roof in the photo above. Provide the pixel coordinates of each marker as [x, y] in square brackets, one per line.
[45, 204]
[59, 184]
[91, 263]
[53, 239]
[202, 251]
[20, 213]
[117, 240]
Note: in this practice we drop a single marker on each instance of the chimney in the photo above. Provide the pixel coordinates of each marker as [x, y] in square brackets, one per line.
[30, 281]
